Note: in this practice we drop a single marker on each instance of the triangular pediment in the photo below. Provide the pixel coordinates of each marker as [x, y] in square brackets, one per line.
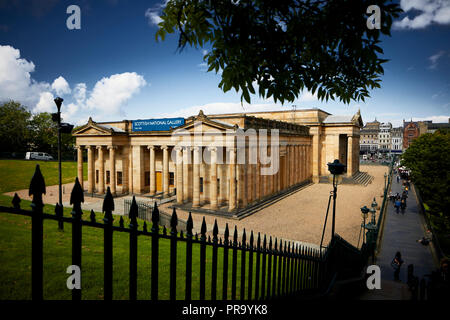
[91, 128]
[204, 124]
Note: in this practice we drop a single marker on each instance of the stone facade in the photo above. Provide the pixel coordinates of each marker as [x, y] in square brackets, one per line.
[212, 162]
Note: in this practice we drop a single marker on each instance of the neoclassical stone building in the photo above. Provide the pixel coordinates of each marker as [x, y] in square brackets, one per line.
[223, 162]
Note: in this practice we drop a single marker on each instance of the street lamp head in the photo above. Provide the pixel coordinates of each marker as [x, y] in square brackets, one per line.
[58, 102]
[374, 203]
[336, 167]
[365, 210]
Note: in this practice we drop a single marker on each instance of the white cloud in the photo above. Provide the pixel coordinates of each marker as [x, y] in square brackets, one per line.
[109, 94]
[430, 12]
[154, 14]
[435, 58]
[105, 100]
[15, 78]
[80, 93]
[61, 86]
[46, 103]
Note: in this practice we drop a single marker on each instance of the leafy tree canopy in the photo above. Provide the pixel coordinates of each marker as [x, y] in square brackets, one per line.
[285, 46]
[428, 158]
[14, 127]
[20, 131]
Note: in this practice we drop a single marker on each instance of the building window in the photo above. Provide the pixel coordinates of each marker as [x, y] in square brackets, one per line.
[107, 177]
[119, 178]
[171, 179]
[147, 178]
[96, 176]
[201, 184]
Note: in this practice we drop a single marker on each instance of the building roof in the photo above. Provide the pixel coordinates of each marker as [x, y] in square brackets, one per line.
[338, 119]
[109, 127]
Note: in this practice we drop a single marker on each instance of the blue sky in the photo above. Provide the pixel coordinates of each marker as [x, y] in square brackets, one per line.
[113, 69]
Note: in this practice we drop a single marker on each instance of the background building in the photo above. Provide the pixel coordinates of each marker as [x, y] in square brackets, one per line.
[397, 140]
[369, 137]
[384, 137]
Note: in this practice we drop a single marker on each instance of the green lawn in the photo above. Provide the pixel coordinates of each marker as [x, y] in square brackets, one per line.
[16, 174]
[15, 251]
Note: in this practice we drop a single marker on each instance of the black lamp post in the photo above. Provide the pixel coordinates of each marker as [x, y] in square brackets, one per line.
[385, 176]
[58, 102]
[335, 168]
[364, 211]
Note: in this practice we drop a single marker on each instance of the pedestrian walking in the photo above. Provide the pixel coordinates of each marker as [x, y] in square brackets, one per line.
[403, 205]
[398, 178]
[396, 265]
[397, 205]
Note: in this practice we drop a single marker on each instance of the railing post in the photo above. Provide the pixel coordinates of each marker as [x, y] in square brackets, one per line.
[265, 294]
[134, 211]
[108, 207]
[280, 268]
[37, 188]
[214, 262]
[203, 259]
[225, 264]
[234, 265]
[173, 255]
[76, 198]
[155, 252]
[258, 261]
[243, 254]
[189, 226]
[250, 267]
[59, 213]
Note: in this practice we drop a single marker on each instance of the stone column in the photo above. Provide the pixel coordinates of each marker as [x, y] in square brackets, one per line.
[196, 178]
[257, 176]
[165, 150]
[112, 169]
[138, 175]
[350, 156]
[101, 171]
[213, 178]
[179, 171]
[80, 165]
[152, 170]
[232, 175]
[125, 170]
[304, 164]
[91, 169]
[186, 163]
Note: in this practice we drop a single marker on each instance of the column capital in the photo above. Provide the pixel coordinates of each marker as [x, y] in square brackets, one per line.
[164, 147]
[80, 147]
[99, 147]
[151, 147]
[111, 147]
[178, 148]
[212, 149]
[197, 148]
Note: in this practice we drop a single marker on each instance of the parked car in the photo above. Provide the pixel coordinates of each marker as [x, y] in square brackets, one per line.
[365, 157]
[38, 156]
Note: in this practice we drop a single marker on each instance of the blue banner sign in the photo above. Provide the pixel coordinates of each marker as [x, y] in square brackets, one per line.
[157, 124]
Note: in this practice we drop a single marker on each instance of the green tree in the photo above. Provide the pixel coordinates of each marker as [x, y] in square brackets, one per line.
[45, 136]
[14, 127]
[428, 158]
[285, 46]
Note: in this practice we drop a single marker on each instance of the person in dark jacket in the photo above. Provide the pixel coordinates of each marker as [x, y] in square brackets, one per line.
[396, 264]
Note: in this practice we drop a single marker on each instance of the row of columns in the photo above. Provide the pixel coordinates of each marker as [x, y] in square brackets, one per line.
[101, 168]
[245, 182]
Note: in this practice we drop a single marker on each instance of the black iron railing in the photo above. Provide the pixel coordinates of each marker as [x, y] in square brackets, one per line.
[281, 268]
